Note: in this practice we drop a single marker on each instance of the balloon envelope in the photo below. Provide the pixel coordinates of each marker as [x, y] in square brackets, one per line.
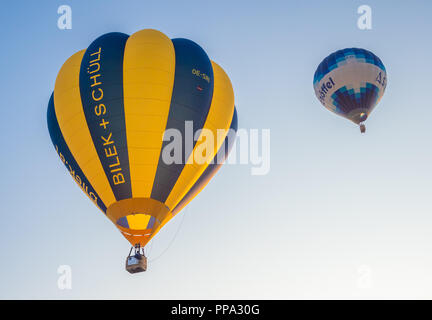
[350, 82]
[111, 108]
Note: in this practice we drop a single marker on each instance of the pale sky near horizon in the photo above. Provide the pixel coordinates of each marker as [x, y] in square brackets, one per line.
[336, 209]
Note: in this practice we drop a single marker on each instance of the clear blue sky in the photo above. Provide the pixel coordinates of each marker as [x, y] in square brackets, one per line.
[334, 201]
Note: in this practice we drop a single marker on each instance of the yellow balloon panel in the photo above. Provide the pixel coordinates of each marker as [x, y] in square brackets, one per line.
[148, 77]
[72, 123]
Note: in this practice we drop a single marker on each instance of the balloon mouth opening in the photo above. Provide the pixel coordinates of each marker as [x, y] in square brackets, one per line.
[138, 219]
[138, 228]
[138, 222]
[358, 115]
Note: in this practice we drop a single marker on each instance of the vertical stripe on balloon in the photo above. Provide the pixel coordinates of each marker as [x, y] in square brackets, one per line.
[68, 159]
[189, 106]
[73, 125]
[211, 137]
[148, 78]
[101, 87]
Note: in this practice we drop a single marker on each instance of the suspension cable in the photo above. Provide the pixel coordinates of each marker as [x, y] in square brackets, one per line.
[173, 238]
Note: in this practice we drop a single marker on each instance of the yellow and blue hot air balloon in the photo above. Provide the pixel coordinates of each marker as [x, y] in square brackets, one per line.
[350, 83]
[108, 113]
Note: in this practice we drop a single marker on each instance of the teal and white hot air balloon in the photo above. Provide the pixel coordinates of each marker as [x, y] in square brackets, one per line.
[350, 83]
